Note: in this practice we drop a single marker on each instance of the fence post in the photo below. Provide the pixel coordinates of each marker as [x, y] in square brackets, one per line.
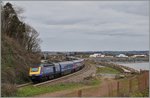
[111, 89]
[118, 89]
[108, 85]
[130, 85]
[139, 87]
[145, 81]
[79, 93]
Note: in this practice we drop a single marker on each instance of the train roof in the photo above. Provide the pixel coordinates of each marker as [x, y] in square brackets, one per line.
[42, 64]
[52, 64]
[65, 62]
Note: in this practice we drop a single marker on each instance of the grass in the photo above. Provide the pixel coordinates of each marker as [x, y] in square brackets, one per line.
[32, 91]
[144, 93]
[108, 70]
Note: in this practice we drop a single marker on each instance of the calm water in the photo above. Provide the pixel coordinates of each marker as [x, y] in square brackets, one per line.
[137, 66]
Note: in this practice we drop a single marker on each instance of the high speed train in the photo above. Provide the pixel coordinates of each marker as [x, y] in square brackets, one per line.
[45, 71]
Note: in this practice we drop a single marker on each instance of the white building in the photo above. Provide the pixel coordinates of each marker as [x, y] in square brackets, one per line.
[97, 55]
[102, 55]
[134, 56]
[121, 55]
[109, 56]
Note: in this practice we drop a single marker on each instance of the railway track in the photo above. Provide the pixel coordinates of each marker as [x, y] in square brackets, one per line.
[67, 78]
[23, 85]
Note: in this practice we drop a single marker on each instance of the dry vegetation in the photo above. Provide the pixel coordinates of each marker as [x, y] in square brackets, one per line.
[19, 47]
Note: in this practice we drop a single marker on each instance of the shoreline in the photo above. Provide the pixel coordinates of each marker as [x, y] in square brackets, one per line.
[135, 65]
[131, 62]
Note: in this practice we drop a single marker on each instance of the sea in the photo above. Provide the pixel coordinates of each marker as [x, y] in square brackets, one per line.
[137, 66]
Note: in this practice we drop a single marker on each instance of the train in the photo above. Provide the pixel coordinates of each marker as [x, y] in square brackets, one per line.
[47, 70]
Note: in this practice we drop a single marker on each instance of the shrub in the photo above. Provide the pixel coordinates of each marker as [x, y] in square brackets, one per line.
[8, 90]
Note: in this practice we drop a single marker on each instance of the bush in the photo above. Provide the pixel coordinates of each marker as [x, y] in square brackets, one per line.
[144, 93]
[8, 90]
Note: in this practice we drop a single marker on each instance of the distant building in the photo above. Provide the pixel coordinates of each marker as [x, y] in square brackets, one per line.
[102, 56]
[134, 56]
[109, 56]
[97, 55]
[121, 55]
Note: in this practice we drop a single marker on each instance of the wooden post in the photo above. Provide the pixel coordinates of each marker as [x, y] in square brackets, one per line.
[79, 93]
[118, 88]
[108, 90]
[145, 81]
[130, 86]
[111, 89]
[139, 88]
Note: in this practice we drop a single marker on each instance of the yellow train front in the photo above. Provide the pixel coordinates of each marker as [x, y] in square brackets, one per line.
[42, 72]
[35, 73]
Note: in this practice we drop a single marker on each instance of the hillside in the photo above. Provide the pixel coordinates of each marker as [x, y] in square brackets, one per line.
[19, 50]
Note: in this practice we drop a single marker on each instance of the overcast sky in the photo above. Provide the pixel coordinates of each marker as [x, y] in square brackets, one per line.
[89, 25]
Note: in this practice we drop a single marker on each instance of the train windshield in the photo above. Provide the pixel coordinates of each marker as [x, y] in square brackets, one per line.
[34, 69]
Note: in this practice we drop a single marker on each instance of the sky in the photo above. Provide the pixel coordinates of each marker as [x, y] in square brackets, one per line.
[89, 25]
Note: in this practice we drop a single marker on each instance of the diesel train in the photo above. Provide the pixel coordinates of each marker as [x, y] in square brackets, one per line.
[46, 71]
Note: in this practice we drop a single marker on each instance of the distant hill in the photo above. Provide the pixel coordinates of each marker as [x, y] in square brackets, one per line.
[146, 52]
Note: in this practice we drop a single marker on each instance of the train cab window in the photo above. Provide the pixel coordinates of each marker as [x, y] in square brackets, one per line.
[34, 69]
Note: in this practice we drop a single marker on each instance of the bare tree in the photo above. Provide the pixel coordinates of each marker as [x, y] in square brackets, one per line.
[19, 10]
[32, 41]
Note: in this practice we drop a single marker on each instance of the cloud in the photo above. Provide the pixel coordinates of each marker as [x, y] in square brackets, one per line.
[90, 24]
[132, 7]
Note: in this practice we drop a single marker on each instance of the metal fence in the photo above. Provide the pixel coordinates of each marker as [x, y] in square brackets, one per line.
[123, 87]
